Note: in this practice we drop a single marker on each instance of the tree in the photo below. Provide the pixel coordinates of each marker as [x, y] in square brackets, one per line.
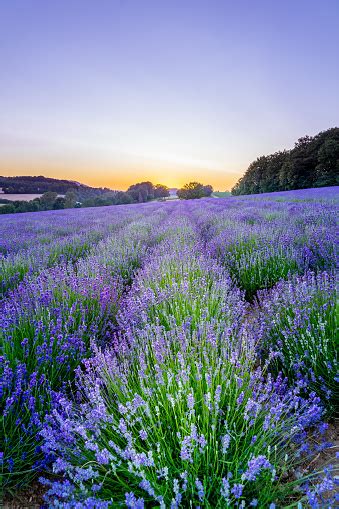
[194, 190]
[91, 197]
[48, 199]
[122, 198]
[59, 203]
[313, 162]
[7, 209]
[208, 190]
[327, 169]
[161, 191]
[70, 199]
[141, 192]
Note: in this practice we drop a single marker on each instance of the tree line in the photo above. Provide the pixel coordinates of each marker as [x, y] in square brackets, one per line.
[75, 198]
[41, 185]
[137, 193]
[313, 162]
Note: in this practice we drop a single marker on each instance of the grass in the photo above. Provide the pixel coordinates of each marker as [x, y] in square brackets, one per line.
[221, 194]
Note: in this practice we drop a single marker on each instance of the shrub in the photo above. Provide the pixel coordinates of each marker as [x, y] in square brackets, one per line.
[186, 419]
[299, 318]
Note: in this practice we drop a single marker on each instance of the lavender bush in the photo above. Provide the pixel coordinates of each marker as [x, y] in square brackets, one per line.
[187, 419]
[299, 322]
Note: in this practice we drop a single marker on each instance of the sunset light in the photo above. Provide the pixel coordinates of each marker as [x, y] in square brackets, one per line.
[169, 190]
[113, 92]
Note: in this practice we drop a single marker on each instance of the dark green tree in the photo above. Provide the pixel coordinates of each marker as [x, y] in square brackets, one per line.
[327, 169]
[194, 190]
[141, 192]
[59, 203]
[313, 162]
[161, 191]
[122, 198]
[47, 199]
[70, 199]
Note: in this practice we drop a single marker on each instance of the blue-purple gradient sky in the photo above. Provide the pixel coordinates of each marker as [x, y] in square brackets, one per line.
[112, 92]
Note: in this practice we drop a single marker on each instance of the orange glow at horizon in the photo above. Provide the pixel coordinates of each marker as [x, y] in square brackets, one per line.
[121, 175]
[118, 92]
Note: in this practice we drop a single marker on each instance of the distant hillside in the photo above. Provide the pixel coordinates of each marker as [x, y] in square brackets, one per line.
[40, 184]
[313, 162]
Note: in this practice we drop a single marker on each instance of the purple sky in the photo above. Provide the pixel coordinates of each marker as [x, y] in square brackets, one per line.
[111, 92]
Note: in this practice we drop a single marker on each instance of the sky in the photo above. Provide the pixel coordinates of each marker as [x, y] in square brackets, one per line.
[112, 92]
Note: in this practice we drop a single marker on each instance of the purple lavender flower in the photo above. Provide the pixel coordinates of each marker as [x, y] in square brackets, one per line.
[237, 490]
[132, 502]
[225, 442]
[225, 489]
[103, 457]
[143, 434]
[190, 401]
[200, 489]
[255, 466]
[152, 305]
[146, 485]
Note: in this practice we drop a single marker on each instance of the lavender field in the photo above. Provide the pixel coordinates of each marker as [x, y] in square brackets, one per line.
[171, 354]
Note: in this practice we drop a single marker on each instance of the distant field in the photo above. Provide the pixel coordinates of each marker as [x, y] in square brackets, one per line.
[21, 197]
[221, 194]
[170, 354]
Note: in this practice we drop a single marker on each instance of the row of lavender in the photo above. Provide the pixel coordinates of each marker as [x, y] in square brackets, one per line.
[53, 238]
[47, 324]
[183, 401]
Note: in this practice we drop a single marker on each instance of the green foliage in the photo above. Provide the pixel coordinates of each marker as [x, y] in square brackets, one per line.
[172, 411]
[146, 191]
[313, 162]
[48, 199]
[40, 184]
[70, 199]
[221, 194]
[194, 190]
[260, 268]
[87, 197]
[7, 209]
[59, 203]
[301, 324]
[161, 191]
[122, 198]
[21, 206]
